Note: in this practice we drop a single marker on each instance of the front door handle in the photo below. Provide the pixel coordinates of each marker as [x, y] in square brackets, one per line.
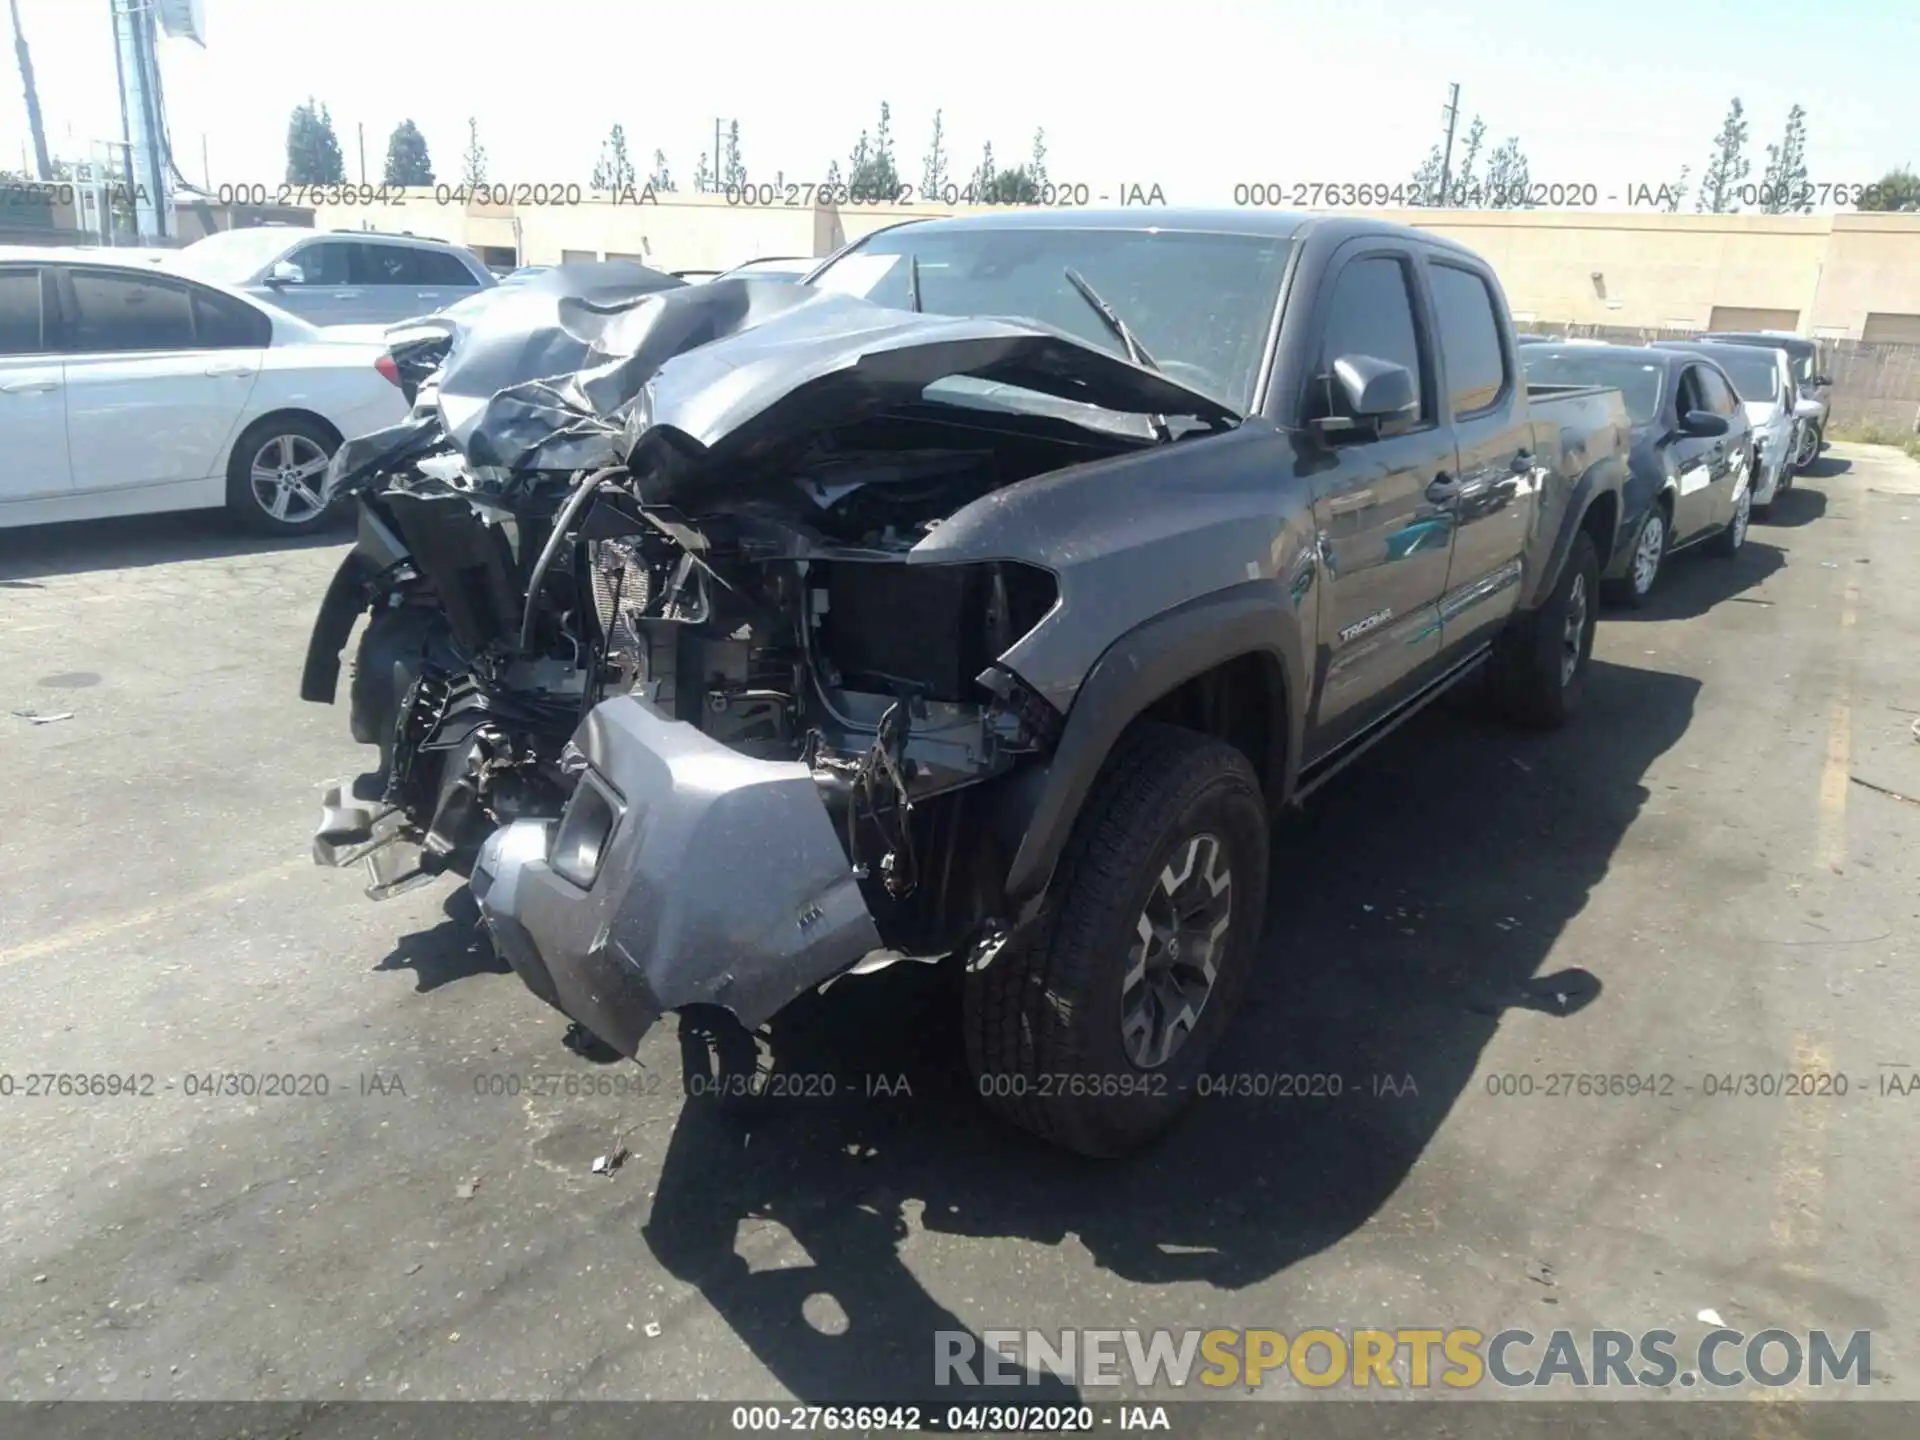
[1443, 489]
[29, 387]
[229, 370]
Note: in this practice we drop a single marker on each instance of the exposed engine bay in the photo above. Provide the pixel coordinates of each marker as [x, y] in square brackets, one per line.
[757, 558]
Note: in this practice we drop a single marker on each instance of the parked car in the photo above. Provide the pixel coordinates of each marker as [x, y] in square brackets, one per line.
[793, 268]
[337, 277]
[126, 390]
[1811, 385]
[1763, 379]
[1689, 473]
[1017, 630]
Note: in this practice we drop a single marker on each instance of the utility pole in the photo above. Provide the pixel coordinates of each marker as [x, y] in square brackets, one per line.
[206, 170]
[1446, 156]
[361, 126]
[716, 154]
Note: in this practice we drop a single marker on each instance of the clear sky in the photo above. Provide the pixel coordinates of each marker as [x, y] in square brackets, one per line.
[1195, 96]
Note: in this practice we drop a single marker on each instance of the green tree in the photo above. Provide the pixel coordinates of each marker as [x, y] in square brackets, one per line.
[407, 160]
[832, 182]
[871, 171]
[1896, 190]
[1460, 176]
[473, 164]
[614, 169]
[661, 179]
[985, 175]
[733, 170]
[1036, 166]
[1016, 187]
[1677, 190]
[1720, 181]
[933, 170]
[703, 175]
[313, 150]
[1507, 178]
[1783, 184]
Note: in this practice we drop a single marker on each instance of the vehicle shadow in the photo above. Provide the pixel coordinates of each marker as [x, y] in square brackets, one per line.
[129, 542]
[1693, 582]
[453, 950]
[1795, 508]
[1415, 901]
[1827, 465]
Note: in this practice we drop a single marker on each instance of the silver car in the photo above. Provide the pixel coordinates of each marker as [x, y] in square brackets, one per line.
[338, 277]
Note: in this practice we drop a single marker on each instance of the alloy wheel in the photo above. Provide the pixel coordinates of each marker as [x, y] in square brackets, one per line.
[1174, 961]
[286, 476]
[1649, 552]
[1808, 450]
[1742, 514]
[1574, 634]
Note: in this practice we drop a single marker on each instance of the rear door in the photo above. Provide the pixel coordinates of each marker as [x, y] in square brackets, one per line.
[1730, 455]
[1492, 506]
[443, 280]
[391, 280]
[1384, 543]
[33, 397]
[148, 403]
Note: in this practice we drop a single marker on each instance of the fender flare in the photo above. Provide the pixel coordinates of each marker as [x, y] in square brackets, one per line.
[1258, 617]
[1606, 476]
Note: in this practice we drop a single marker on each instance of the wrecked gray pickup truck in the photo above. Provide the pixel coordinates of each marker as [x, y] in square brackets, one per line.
[736, 638]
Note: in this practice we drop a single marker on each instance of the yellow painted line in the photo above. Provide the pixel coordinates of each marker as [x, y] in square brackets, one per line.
[1800, 1174]
[96, 930]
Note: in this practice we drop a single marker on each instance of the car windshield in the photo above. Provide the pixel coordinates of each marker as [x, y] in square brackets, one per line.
[232, 256]
[1200, 304]
[1638, 381]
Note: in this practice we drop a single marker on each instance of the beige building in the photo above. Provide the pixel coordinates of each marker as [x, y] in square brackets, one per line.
[1853, 276]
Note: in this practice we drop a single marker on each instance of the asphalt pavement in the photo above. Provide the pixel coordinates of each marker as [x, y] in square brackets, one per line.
[358, 1162]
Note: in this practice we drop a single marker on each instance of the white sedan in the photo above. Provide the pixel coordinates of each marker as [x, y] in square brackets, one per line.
[124, 391]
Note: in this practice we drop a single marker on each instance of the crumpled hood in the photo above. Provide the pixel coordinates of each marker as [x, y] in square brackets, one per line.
[699, 377]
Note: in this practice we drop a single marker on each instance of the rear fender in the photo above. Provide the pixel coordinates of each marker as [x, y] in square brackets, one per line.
[1603, 482]
[349, 594]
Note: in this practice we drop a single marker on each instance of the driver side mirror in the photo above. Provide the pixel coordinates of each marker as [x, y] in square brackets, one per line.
[1807, 409]
[285, 272]
[1704, 424]
[1821, 382]
[1375, 391]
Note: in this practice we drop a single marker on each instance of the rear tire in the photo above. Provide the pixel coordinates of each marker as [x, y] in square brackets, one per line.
[1728, 542]
[1643, 573]
[280, 462]
[1539, 666]
[1093, 1031]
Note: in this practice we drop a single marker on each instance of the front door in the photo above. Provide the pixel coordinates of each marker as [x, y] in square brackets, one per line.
[325, 294]
[33, 397]
[1698, 461]
[1384, 539]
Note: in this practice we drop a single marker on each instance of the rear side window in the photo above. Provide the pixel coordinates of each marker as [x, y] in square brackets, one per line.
[437, 267]
[1467, 320]
[20, 313]
[222, 323]
[1370, 312]
[385, 265]
[114, 313]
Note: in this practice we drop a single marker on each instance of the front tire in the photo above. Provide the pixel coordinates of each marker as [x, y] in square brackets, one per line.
[1808, 449]
[1539, 667]
[276, 474]
[1093, 1031]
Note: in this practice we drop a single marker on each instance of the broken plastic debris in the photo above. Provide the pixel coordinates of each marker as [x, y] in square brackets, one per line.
[1541, 1273]
[1711, 1317]
[414, 1268]
[34, 717]
[464, 1190]
[653, 1329]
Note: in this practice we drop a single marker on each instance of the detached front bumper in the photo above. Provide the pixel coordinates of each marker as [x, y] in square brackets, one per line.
[699, 876]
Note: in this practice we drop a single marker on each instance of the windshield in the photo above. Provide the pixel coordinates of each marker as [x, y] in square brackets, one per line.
[1638, 381]
[1200, 304]
[233, 255]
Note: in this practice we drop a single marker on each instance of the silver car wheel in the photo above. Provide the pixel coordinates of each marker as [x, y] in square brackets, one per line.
[1649, 552]
[287, 475]
[1742, 513]
[1573, 635]
[1808, 450]
[1175, 959]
